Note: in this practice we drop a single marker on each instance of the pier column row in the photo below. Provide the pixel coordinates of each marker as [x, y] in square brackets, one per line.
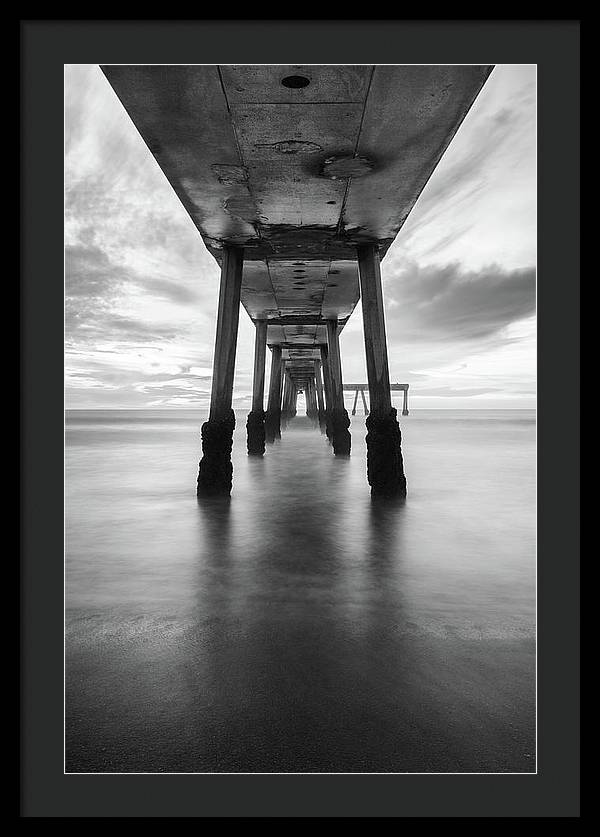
[273, 417]
[255, 424]
[215, 471]
[385, 468]
[339, 421]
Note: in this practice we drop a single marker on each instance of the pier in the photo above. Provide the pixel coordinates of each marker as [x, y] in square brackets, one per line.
[359, 389]
[299, 179]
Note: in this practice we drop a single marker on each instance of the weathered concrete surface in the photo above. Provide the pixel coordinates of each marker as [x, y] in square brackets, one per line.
[255, 423]
[273, 416]
[215, 470]
[385, 464]
[298, 176]
[256, 436]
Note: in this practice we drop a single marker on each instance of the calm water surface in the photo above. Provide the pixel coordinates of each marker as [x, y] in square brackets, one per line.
[300, 626]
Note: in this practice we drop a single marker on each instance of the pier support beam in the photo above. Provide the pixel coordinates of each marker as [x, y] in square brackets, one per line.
[339, 421]
[364, 401]
[286, 404]
[215, 472]
[284, 399]
[312, 409]
[385, 468]
[292, 396]
[255, 425]
[273, 417]
[320, 398]
[405, 403]
[355, 402]
[327, 389]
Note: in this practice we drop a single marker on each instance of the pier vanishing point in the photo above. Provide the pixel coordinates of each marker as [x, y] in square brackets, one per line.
[299, 179]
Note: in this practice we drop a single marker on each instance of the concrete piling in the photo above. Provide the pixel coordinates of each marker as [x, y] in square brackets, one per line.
[312, 410]
[405, 403]
[385, 467]
[215, 472]
[364, 401]
[320, 396]
[339, 421]
[327, 390]
[255, 424]
[287, 404]
[273, 417]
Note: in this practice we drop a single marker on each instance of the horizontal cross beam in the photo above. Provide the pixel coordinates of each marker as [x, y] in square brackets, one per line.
[298, 346]
[393, 387]
[303, 320]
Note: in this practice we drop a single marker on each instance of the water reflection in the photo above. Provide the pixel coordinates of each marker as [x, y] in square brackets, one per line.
[300, 625]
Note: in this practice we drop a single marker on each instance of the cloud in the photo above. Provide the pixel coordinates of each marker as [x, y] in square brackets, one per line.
[90, 273]
[479, 206]
[449, 303]
[178, 385]
[92, 277]
[453, 392]
[463, 175]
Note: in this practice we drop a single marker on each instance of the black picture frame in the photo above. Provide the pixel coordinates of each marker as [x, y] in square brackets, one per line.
[46, 46]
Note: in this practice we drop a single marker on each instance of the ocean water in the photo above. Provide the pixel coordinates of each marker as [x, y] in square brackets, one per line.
[299, 626]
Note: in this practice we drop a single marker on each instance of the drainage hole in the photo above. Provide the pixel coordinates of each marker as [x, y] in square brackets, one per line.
[295, 82]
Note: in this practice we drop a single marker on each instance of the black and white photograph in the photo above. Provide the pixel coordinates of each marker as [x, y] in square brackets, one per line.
[300, 433]
[299, 418]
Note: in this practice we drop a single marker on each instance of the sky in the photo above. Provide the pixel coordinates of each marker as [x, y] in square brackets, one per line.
[459, 281]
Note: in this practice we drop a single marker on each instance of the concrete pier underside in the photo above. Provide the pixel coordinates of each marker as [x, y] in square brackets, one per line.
[297, 165]
[305, 175]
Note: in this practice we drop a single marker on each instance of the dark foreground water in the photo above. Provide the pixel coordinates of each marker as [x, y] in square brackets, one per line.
[300, 627]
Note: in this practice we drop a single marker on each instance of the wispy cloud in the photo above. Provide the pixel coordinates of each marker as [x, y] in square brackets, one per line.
[449, 303]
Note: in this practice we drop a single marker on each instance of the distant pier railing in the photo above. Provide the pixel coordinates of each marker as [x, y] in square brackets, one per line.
[360, 388]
